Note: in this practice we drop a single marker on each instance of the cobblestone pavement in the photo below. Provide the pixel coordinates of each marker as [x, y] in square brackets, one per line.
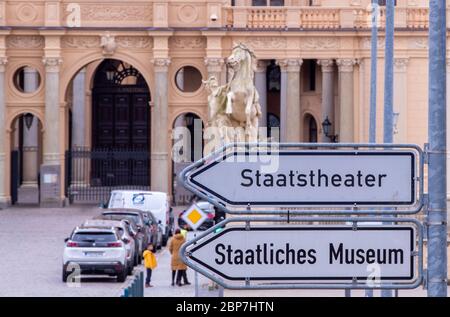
[32, 243]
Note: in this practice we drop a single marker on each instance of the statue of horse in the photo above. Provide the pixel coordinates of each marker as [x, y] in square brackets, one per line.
[236, 104]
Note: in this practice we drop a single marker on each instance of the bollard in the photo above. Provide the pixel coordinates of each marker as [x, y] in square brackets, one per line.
[141, 275]
[126, 292]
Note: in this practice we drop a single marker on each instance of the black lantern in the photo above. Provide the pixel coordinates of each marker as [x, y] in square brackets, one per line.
[110, 72]
[326, 125]
[28, 120]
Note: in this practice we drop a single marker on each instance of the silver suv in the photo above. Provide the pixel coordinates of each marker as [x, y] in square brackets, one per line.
[95, 251]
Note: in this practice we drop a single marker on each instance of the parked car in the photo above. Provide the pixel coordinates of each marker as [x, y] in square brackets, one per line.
[208, 209]
[156, 227]
[125, 234]
[144, 227]
[95, 251]
[155, 202]
[137, 235]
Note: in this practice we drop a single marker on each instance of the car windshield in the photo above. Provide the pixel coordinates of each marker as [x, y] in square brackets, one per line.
[94, 237]
[117, 216]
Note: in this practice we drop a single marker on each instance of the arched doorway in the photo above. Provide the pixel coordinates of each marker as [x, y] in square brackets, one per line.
[119, 153]
[26, 159]
[311, 131]
[188, 145]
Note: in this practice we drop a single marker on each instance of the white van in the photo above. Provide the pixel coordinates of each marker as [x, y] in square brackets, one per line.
[155, 202]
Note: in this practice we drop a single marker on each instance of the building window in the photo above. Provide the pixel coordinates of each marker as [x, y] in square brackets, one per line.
[309, 75]
[263, 3]
[27, 79]
[382, 3]
[188, 79]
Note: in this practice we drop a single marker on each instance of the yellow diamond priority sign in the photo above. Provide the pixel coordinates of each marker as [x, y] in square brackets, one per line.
[194, 217]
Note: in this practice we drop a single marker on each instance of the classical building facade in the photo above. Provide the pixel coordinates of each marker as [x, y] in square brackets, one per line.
[91, 91]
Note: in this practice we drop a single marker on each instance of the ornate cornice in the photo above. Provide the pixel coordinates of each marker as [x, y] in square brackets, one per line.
[327, 65]
[161, 64]
[52, 64]
[346, 65]
[290, 64]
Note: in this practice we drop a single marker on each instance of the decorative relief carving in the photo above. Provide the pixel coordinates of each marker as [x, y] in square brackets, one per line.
[26, 41]
[108, 43]
[80, 42]
[401, 64]
[266, 42]
[290, 64]
[161, 64]
[214, 62]
[187, 13]
[188, 42]
[346, 65]
[52, 64]
[327, 65]
[320, 43]
[95, 12]
[134, 41]
[26, 12]
[367, 43]
[418, 43]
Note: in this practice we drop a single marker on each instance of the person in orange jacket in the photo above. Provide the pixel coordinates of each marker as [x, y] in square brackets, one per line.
[149, 263]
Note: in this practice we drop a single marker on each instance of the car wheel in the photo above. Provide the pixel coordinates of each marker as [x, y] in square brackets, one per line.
[130, 269]
[122, 276]
[65, 275]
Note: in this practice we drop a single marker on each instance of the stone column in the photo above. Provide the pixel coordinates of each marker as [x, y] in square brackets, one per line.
[327, 95]
[79, 110]
[290, 100]
[401, 99]
[261, 86]
[215, 67]
[346, 100]
[51, 169]
[160, 153]
[28, 192]
[4, 199]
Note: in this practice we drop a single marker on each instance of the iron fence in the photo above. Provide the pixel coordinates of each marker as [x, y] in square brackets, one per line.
[91, 174]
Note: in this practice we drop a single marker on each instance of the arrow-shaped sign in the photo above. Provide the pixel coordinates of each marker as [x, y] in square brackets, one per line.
[314, 253]
[309, 178]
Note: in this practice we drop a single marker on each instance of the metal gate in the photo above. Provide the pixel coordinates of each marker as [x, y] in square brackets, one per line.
[15, 175]
[92, 174]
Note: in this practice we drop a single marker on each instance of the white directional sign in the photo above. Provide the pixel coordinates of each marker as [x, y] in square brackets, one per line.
[309, 253]
[304, 178]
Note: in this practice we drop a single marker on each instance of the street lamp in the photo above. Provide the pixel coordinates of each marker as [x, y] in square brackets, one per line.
[28, 120]
[110, 71]
[326, 125]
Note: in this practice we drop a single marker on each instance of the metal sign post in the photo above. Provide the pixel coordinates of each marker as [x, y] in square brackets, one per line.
[437, 171]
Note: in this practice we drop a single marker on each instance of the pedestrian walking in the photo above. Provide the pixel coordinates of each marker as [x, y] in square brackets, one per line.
[177, 264]
[149, 263]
